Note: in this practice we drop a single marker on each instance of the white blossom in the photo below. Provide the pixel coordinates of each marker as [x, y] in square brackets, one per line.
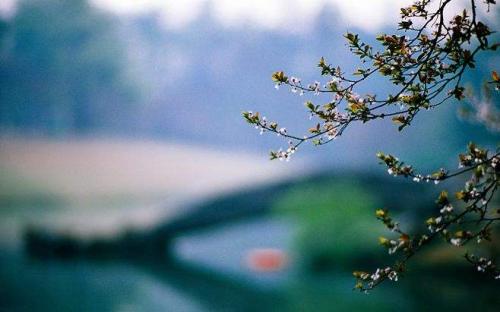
[315, 87]
[375, 276]
[294, 80]
[446, 209]
[332, 134]
[281, 131]
[494, 162]
[393, 276]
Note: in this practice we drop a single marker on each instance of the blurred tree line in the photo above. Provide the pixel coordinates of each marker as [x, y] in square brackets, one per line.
[63, 70]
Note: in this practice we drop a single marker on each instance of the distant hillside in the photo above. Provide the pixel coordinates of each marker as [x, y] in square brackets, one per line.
[87, 169]
[103, 185]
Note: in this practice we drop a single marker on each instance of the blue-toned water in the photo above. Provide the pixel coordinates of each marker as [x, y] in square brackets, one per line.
[210, 274]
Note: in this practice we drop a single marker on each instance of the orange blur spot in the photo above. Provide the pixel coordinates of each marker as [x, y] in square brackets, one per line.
[266, 259]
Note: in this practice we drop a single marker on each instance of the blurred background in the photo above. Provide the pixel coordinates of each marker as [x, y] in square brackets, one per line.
[130, 182]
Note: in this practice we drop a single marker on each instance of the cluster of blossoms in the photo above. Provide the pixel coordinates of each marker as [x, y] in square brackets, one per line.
[425, 61]
[284, 155]
[367, 281]
[397, 168]
[470, 221]
[295, 85]
[427, 66]
[263, 125]
[483, 265]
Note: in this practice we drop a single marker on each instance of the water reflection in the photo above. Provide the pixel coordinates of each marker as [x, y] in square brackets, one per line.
[206, 269]
[126, 285]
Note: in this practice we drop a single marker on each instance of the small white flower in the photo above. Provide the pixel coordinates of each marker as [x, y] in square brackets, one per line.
[375, 276]
[446, 209]
[294, 80]
[456, 241]
[315, 87]
[395, 227]
[393, 276]
[332, 134]
[281, 131]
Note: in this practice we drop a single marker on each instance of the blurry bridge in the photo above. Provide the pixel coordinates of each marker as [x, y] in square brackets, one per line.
[156, 243]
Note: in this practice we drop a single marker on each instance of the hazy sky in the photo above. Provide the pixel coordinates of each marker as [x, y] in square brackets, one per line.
[295, 16]
[290, 16]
